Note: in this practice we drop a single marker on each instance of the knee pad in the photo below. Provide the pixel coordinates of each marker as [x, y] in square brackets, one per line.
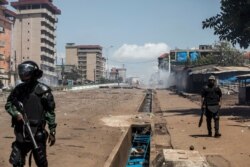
[40, 157]
[16, 157]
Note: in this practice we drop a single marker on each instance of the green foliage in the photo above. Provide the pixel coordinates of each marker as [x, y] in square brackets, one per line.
[205, 60]
[232, 23]
[229, 56]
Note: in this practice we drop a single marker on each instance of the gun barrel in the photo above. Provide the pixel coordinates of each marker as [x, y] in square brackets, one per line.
[31, 135]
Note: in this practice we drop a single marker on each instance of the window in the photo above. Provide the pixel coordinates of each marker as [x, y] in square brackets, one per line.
[1, 29]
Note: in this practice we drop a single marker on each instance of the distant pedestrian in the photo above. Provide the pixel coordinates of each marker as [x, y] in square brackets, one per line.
[211, 102]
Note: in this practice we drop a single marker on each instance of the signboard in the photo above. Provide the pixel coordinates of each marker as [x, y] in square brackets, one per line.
[182, 56]
[193, 56]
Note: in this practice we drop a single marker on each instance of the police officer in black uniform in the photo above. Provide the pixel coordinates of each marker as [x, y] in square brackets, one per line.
[38, 104]
[211, 102]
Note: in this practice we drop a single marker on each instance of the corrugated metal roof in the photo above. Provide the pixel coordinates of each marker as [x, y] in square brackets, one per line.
[243, 77]
[217, 70]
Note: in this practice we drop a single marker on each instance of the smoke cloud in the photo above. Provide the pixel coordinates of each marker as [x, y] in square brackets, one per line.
[140, 60]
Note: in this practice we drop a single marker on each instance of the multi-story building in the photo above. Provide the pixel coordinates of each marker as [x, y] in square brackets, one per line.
[118, 74]
[68, 73]
[7, 19]
[88, 59]
[35, 37]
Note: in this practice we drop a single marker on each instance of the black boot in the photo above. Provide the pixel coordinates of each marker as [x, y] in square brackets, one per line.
[217, 135]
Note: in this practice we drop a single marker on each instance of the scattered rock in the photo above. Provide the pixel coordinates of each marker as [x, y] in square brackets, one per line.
[191, 147]
[204, 148]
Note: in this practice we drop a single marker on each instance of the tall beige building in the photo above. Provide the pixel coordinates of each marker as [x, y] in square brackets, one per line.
[88, 59]
[34, 35]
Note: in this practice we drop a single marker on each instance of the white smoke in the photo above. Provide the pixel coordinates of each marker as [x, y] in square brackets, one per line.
[161, 79]
[140, 61]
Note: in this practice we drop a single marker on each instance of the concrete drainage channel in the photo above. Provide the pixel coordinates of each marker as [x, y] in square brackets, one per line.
[146, 105]
[149, 144]
[133, 148]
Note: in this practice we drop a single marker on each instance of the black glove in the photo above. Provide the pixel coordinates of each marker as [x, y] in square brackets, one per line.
[52, 138]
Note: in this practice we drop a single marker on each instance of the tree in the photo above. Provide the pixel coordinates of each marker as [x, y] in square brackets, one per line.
[229, 56]
[232, 23]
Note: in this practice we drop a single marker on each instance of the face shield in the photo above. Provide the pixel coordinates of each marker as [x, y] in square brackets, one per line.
[25, 71]
[211, 82]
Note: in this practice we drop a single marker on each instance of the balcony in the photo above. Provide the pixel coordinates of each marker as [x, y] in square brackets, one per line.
[2, 70]
[2, 43]
[47, 54]
[46, 72]
[47, 63]
[1, 57]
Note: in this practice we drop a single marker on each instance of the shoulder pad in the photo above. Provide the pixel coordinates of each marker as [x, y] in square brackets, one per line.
[42, 88]
[20, 85]
[205, 87]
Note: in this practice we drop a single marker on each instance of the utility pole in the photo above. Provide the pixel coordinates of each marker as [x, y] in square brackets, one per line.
[62, 74]
[117, 77]
[107, 59]
[94, 75]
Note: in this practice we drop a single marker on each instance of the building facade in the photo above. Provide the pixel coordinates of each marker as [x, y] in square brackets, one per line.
[66, 73]
[163, 62]
[35, 37]
[88, 59]
[7, 19]
[180, 56]
[118, 74]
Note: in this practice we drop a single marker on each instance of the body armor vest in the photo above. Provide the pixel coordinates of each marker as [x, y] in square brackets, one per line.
[211, 96]
[32, 106]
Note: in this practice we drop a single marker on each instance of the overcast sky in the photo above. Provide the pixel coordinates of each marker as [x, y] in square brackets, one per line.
[135, 32]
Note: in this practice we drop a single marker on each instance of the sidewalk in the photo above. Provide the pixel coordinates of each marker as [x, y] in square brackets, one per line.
[182, 117]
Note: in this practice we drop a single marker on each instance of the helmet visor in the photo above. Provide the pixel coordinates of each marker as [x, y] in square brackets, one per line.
[25, 71]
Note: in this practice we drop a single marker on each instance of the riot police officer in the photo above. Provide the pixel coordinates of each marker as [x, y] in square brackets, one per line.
[211, 102]
[38, 105]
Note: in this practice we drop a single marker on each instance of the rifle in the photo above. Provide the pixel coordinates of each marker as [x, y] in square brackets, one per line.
[27, 125]
[37, 151]
[201, 117]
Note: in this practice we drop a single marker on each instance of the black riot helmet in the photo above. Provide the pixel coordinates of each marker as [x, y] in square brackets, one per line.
[29, 71]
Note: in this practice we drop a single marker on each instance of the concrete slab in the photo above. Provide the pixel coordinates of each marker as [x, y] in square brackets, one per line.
[184, 158]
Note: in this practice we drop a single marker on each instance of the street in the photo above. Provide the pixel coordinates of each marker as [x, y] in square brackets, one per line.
[91, 122]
